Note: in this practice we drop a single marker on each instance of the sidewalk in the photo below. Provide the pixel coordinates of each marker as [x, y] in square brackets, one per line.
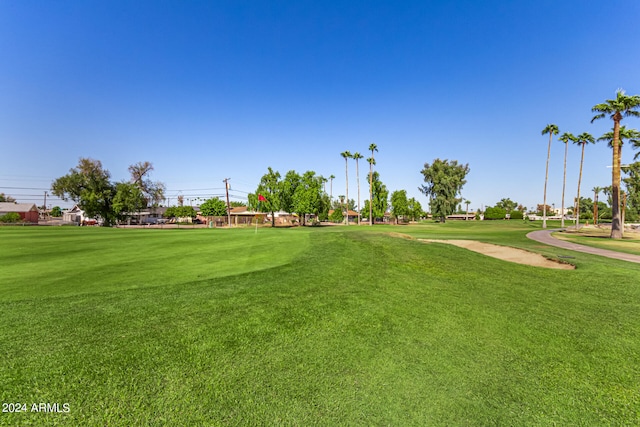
[544, 236]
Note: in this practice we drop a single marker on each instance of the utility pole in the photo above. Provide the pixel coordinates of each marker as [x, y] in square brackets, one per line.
[226, 186]
[44, 207]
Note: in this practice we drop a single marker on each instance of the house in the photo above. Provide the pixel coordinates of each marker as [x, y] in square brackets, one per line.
[353, 215]
[28, 211]
[77, 216]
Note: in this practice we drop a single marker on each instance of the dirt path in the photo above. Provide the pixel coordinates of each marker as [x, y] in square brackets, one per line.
[505, 253]
[544, 236]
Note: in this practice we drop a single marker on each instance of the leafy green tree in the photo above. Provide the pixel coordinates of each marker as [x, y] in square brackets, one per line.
[623, 106]
[308, 195]
[127, 200]
[180, 212]
[289, 185]
[336, 216]
[213, 207]
[550, 129]
[399, 204]
[507, 204]
[5, 198]
[267, 195]
[89, 187]
[415, 209]
[380, 197]
[444, 180]
[632, 184]
[565, 138]
[56, 212]
[583, 139]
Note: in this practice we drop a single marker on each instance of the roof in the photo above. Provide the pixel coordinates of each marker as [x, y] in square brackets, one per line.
[17, 207]
[351, 213]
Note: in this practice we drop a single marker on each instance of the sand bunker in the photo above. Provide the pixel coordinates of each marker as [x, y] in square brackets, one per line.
[505, 253]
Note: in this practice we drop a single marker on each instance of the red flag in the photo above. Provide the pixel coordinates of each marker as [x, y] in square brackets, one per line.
[261, 198]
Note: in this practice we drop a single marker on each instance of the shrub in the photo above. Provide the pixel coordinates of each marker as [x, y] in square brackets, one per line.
[336, 216]
[495, 213]
[10, 217]
[517, 215]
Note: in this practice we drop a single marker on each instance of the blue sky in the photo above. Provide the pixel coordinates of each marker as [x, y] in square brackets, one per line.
[207, 90]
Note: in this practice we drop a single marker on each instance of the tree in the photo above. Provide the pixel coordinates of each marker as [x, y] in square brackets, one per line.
[180, 212]
[213, 207]
[347, 155]
[88, 186]
[399, 204]
[308, 195]
[415, 209]
[5, 198]
[583, 139]
[372, 161]
[357, 156]
[127, 200]
[551, 129]
[631, 135]
[268, 193]
[623, 106]
[289, 185]
[565, 138]
[331, 178]
[56, 212]
[632, 184]
[495, 213]
[596, 191]
[444, 180]
[507, 204]
[153, 191]
[380, 197]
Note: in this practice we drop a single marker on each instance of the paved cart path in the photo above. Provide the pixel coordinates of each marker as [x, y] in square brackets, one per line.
[544, 236]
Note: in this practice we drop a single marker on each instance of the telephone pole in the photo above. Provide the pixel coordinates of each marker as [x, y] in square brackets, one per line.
[226, 186]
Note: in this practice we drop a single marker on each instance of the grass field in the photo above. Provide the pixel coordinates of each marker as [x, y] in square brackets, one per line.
[312, 326]
[599, 238]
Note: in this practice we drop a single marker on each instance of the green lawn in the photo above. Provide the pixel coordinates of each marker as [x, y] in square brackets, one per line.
[313, 326]
[599, 238]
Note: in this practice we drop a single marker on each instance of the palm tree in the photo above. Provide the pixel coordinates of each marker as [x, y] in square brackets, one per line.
[372, 161]
[617, 109]
[596, 192]
[331, 178]
[583, 139]
[551, 129]
[347, 155]
[357, 156]
[633, 136]
[467, 202]
[565, 137]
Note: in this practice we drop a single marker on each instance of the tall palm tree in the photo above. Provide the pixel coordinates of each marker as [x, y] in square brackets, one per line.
[623, 106]
[347, 155]
[358, 156]
[565, 137]
[583, 139]
[551, 129]
[372, 161]
[631, 135]
[331, 178]
[596, 192]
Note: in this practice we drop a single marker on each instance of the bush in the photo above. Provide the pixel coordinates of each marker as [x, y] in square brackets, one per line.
[517, 215]
[495, 213]
[336, 216]
[10, 217]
